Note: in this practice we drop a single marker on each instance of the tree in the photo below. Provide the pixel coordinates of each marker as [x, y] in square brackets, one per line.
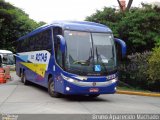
[14, 23]
[128, 5]
[139, 27]
[41, 23]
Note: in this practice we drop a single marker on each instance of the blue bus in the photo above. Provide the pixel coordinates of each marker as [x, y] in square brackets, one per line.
[70, 57]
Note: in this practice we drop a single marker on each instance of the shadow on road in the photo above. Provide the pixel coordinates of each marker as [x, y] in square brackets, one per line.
[79, 98]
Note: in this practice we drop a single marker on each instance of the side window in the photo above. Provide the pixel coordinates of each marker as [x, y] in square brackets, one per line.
[47, 40]
[43, 41]
[58, 53]
[32, 44]
[40, 41]
[19, 46]
[29, 44]
[23, 45]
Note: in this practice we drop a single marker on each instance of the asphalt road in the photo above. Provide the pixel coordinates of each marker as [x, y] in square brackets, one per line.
[16, 98]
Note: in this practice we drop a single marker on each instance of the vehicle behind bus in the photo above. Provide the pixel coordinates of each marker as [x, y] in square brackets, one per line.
[6, 58]
[69, 57]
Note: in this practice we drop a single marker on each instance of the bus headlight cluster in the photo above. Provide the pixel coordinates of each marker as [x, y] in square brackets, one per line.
[81, 78]
[114, 80]
[68, 78]
[110, 77]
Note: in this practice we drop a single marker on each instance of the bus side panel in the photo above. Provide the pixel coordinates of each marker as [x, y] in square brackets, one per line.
[36, 64]
[59, 83]
[54, 71]
[50, 72]
[21, 68]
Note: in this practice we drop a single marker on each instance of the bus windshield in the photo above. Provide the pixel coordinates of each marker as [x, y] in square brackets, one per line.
[86, 50]
[8, 59]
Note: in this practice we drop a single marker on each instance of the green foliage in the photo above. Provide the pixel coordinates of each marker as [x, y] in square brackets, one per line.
[134, 71]
[139, 27]
[109, 17]
[41, 23]
[157, 39]
[14, 23]
[142, 70]
[154, 65]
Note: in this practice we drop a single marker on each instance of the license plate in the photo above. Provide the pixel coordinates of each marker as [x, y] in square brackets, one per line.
[93, 90]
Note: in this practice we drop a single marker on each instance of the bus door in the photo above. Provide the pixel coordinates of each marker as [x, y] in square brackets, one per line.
[58, 60]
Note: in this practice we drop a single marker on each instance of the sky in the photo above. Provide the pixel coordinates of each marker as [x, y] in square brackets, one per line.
[50, 10]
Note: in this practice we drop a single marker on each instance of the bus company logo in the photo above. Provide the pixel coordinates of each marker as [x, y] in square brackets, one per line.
[41, 57]
[94, 83]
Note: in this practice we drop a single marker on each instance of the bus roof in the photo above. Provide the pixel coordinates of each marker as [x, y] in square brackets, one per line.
[5, 51]
[71, 25]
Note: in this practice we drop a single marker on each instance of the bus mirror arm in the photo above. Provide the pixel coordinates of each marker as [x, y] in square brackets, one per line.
[123, 46]
[62, 43]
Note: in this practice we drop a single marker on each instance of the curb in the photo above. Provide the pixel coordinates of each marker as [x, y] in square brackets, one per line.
[138, 93]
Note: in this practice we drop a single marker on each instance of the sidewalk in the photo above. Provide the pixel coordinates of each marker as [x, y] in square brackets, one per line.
[152, 94]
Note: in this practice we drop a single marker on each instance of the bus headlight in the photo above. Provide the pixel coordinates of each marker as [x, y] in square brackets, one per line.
[81, 78]
[68, 78]
[110, 77]
[114, 80]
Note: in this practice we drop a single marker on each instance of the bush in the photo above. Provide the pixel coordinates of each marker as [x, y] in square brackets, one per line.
[134, 70]
[142, 70]
[154, 65]
[157, 39]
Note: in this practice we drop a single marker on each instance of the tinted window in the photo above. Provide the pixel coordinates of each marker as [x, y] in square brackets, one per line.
[40, 41]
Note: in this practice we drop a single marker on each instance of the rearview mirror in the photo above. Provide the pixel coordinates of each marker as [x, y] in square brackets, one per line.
[62, 43]
[123, 46]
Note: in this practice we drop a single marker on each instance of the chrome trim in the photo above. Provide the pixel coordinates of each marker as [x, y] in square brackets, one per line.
[89, 84]
[98, 84]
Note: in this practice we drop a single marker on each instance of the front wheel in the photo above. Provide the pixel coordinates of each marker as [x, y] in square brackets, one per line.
[51, 89]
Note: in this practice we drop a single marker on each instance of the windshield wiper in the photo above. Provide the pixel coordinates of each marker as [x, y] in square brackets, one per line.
[91, 56]
[97, 54]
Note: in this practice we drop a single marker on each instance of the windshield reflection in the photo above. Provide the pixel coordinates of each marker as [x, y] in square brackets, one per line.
[8, 59]
[85, 50]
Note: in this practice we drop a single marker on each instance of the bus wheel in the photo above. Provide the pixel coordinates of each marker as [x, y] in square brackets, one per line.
[24, 80]
[94, 95]
[22, 77]
[51, 89]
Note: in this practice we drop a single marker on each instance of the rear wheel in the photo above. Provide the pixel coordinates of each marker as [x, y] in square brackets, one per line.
[22, 75]
[51, 89]
[24, 80]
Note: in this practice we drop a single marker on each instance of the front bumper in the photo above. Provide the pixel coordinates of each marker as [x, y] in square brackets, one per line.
[84, 88]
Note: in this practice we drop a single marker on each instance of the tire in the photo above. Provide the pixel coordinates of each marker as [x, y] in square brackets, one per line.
[22, 75]
[94, 95]
[24, 80]
[51, 89]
